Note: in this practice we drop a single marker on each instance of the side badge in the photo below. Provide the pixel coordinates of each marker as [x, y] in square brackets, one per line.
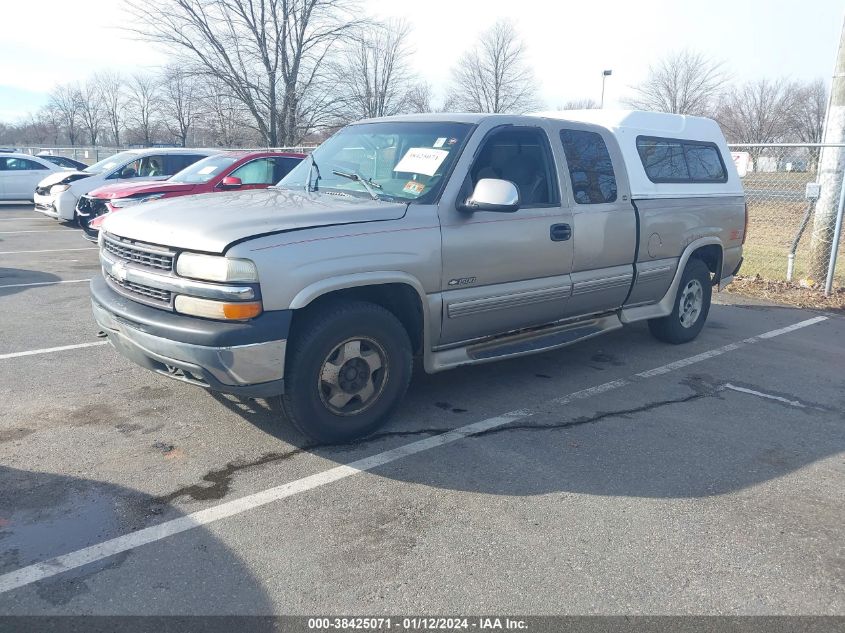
[463, 281]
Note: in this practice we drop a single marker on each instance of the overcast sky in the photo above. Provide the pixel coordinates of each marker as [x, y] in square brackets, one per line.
[569, 43]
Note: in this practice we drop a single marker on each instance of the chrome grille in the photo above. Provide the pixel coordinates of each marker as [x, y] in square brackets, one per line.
[141, 254]
[158, 295]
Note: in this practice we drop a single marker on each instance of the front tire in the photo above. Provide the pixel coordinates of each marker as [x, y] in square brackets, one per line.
[347, 369]
[692, 304]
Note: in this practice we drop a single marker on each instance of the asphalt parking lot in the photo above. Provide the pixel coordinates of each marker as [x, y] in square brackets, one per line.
[620, 475]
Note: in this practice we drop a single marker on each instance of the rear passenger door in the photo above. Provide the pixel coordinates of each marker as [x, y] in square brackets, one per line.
[506, 271]
[604, 220]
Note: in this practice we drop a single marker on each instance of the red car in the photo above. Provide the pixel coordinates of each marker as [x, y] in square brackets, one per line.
[227, 171]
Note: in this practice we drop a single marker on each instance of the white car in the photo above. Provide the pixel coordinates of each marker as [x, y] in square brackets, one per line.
[57, 194]
[20, 173]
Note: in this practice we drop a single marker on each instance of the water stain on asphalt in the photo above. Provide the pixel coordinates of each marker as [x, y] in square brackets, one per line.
[604, 358]
[448, 407]
[10, 435]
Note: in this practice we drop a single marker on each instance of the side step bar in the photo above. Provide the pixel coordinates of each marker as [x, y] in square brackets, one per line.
[523, 343]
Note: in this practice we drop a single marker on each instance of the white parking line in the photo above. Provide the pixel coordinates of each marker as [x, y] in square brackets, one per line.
[46, 283]
[760, 394]
[34, 217]
[50, 350]
[50, 250]
[54, 566]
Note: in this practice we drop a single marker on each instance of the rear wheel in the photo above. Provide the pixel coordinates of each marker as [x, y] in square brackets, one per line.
[692, 304]
[347, 370]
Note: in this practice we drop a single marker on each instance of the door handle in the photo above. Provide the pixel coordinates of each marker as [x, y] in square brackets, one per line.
[560, 232]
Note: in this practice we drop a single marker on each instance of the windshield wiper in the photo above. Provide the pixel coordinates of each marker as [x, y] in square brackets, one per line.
[369, 185]
[311, 169]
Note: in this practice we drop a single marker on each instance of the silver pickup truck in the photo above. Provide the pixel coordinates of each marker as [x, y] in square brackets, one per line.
[455, 238]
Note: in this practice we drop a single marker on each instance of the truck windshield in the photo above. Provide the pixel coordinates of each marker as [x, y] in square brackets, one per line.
[204, 170]
[398, 160]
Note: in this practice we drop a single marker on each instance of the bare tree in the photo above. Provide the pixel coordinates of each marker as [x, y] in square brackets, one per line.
[222, 113]
[806, 116]
[756, 112]
[145, 103]
[494, 76]
[64, 101]
[91, 108]
[418, 99]
[580, 104]
[179, 102]
[267, 52]
[113, 87]
[685, 82]
[372, 75]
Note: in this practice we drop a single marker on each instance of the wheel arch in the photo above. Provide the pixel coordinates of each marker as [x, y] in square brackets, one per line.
[708, 249]
[396, 291]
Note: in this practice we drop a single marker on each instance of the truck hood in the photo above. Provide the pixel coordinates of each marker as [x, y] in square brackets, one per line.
[136, 188]
[212, 221]
[62, 177]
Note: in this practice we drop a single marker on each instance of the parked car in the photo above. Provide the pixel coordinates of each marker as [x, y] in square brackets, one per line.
[57, 194]
[241, 170]
[460, 238]
[63, 161]
[20, 173]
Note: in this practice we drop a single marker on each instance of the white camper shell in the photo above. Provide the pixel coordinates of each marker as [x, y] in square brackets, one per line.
[630, 127]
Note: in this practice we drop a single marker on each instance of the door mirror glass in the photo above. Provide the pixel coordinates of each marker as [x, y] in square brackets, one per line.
[230, 182]
[492, 194]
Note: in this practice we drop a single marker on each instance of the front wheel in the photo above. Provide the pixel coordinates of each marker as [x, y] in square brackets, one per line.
[692, 304]
[348, 368]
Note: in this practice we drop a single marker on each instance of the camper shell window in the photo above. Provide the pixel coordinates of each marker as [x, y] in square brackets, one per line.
[681, 161]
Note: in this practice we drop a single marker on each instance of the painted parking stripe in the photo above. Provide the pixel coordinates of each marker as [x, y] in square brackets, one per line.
[50, 350]
[54, 566]
[768, 396]
[45, 283]
[49, 250]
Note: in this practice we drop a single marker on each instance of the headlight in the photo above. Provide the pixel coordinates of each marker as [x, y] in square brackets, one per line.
[215, 268]
[120, 203]
[58, 189]
[206, 308]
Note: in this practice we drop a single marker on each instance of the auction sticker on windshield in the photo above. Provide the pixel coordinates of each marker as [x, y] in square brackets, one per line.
[421, 160]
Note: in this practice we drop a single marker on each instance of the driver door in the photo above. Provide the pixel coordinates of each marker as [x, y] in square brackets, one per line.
[507, 271]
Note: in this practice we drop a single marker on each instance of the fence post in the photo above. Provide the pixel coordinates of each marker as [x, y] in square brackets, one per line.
[834, 246]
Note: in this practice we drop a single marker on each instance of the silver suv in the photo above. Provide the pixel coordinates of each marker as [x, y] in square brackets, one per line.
[457, 238]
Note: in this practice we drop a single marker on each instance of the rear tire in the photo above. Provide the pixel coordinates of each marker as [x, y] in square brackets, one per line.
[347, 369]
[692, 304]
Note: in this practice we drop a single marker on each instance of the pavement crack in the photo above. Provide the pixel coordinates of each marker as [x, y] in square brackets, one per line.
[598, 417]
[217, 483]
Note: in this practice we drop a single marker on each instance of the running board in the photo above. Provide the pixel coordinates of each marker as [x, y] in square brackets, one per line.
[523, 343]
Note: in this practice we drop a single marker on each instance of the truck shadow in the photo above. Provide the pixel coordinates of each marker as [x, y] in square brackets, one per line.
[43, 515]
[689, 443]
[11, 280]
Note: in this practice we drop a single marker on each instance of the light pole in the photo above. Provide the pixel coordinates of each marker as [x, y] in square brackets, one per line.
[604, 75]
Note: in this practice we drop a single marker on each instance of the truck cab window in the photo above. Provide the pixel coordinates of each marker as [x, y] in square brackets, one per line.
[522, 157]
[590, 167]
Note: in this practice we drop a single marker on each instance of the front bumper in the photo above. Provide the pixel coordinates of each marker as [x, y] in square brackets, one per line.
[245, 359]
[61, 206]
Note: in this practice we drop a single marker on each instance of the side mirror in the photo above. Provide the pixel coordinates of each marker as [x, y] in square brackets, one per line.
[492, 194]
[231, 182]
[128, 172]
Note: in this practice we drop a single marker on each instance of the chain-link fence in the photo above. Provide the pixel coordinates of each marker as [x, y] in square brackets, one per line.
[787, 240]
